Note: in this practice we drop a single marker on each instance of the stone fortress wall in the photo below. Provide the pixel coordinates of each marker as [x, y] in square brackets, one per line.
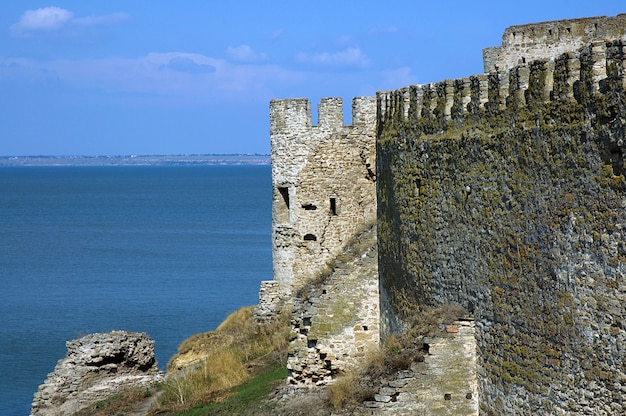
[323, 180]
[505, 193]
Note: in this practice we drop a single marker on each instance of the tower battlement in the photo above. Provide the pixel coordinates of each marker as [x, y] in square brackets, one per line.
[293, 115]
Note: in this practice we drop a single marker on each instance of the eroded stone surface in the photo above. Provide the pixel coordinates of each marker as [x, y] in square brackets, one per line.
[324, 196]
[95, 367]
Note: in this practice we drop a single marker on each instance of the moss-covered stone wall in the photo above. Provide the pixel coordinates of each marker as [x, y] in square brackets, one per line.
[505, 193]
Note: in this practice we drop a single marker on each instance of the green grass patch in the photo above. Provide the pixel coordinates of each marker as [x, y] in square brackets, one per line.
[249, 398]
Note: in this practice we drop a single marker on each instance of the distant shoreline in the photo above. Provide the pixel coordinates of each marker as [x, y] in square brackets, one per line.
[133, 160]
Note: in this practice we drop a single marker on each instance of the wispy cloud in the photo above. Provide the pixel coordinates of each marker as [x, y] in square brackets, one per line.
[397, 78]
[378, 30]
[350, 57]
[107, 19]
[276, 34]
[187, 64]
[185, 77]
[245, 54]
[52, 19]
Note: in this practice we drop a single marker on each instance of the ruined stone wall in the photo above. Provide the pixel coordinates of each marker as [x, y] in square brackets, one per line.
[335, 319]
[324, 196]
[505, 193]
[546, 40]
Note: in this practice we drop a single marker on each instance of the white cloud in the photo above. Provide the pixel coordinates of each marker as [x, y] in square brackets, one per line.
[244, 53]
[50, 19]
[46, 18]
[352, 57]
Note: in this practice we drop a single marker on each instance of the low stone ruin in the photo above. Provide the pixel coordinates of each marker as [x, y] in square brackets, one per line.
[97, 366]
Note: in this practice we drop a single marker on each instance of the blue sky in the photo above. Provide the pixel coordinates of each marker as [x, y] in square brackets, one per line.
[195, 77]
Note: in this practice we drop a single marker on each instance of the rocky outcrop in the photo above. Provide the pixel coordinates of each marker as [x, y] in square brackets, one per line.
[95, 367]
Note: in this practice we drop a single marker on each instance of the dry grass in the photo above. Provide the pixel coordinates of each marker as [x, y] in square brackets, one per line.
[220, 360]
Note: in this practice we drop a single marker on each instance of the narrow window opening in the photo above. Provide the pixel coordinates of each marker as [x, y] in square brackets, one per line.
[309, 207]
[523, 60]
[364, 327]
[550, 32]
[333, 206]
[310, 237]
[283, 208]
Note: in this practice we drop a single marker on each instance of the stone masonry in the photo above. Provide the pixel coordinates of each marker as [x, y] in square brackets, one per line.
[525, 43]
[323, 180]
[505, 193]
[335, 320]
[444, 384]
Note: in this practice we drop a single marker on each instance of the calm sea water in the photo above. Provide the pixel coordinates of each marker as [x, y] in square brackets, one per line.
[168, 250]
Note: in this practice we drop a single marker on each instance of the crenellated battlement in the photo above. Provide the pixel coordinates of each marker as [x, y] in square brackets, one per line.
[305, 156]
[293, 136]
[530, 42]
[293, 115]
[450, 102]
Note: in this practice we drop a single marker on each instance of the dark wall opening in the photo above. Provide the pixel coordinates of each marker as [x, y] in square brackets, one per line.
[333, 206]
[283, 208]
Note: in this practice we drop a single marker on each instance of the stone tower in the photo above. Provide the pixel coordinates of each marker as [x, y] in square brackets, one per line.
[324, 198]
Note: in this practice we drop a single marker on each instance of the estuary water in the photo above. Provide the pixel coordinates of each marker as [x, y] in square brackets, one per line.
[167, 250]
